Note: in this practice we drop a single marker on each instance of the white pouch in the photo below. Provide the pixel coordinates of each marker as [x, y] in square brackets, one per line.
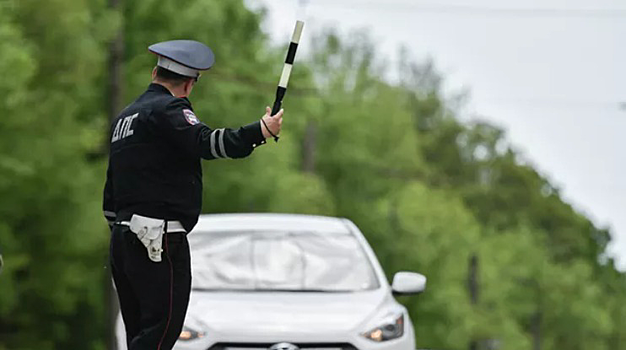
[150, 233]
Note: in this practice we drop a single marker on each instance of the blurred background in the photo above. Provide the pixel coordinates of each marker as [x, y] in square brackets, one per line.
[477, 142]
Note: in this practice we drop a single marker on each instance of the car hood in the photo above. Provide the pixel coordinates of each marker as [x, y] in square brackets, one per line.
[282, 312]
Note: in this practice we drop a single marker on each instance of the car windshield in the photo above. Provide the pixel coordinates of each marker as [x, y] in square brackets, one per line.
[280, 261]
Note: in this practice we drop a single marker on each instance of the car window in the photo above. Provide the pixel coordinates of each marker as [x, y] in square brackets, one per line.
[292, 261]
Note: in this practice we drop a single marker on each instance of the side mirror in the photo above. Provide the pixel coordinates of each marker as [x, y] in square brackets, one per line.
[408, 283]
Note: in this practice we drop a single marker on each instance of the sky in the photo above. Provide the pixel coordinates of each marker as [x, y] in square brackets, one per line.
[551, 73]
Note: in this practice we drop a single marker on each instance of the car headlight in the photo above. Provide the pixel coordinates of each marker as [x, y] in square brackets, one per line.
[190, 334]
[389, 330]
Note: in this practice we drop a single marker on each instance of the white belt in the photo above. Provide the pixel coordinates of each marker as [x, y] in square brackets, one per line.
[172, 226]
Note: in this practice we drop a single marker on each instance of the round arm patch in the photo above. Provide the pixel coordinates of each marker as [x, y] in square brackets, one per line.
[190, 117]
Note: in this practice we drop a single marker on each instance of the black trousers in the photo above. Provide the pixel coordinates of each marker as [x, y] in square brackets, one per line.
[153, 296]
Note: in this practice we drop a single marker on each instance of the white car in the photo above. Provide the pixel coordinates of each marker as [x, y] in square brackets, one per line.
[289, 282]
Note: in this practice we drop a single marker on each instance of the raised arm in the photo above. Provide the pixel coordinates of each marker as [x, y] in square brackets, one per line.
[180, 126]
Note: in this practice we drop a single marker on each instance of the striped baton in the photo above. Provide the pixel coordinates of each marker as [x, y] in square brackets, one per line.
[284, 78]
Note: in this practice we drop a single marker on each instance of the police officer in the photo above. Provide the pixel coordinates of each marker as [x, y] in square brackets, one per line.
[153, 191]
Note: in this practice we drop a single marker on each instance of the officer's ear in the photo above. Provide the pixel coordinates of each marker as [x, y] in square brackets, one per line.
[154, 73]
[188, 86]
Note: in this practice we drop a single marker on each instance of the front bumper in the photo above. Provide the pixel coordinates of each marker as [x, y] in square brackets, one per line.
[303, 342]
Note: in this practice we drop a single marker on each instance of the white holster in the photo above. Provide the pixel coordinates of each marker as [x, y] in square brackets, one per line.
[150, 233]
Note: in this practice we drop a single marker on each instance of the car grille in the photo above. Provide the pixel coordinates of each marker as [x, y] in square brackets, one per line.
[265, 346]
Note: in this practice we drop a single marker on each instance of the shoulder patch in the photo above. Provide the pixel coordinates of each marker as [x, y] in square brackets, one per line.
[190, 117]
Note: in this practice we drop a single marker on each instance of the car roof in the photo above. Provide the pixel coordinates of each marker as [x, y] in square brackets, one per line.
[268, 221]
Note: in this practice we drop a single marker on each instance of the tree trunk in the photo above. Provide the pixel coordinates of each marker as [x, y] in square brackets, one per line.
[536, 330]
[472, 287]
[115, 96]
[116, 60]
[308, 147]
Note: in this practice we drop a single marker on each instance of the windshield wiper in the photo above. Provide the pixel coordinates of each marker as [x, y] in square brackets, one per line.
[302, 290]
[273, 290]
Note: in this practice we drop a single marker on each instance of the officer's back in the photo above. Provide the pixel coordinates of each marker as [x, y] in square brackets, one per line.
[150, 174]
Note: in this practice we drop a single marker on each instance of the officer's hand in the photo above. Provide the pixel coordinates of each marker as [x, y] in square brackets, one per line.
[272, 122]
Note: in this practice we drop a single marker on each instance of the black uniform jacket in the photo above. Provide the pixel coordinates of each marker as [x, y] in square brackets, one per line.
[154, 162]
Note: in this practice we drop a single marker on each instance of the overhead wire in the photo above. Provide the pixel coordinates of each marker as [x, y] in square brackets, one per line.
[425, 8]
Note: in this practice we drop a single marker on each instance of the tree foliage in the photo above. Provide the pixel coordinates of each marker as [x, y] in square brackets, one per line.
[432, 194]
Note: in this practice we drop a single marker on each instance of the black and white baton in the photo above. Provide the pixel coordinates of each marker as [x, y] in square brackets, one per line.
[284, 78]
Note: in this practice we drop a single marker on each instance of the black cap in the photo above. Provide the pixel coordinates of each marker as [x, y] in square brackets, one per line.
[185, 57]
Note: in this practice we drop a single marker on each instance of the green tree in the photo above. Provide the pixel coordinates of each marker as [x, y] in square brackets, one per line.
[53, 250]
[509, 261]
